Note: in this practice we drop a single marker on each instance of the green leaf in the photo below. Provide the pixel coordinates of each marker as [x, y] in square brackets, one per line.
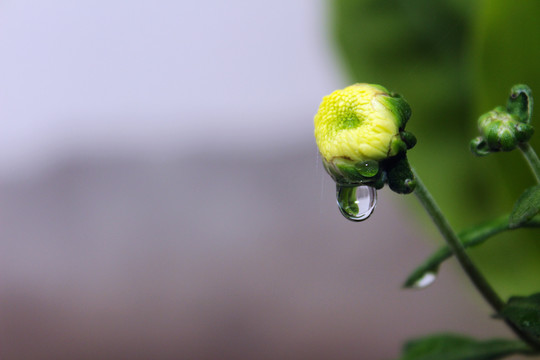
[526, 207]
[469, 238]
[524, 313]
[460, 347]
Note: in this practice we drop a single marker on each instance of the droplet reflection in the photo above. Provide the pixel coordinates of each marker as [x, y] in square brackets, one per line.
[356, 203]
[368, 168]
[427, 279]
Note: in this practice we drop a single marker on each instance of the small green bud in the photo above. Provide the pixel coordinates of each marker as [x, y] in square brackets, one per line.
[503, 129]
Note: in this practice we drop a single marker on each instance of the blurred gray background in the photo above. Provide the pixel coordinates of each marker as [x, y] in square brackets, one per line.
[161, 196]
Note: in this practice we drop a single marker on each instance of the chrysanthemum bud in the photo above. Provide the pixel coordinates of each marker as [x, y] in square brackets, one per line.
[504, 129]
[360, 134]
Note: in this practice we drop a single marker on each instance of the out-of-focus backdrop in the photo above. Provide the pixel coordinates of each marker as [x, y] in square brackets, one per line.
[160, 190]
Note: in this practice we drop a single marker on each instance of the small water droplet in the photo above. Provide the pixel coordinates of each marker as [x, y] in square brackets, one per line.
[368, 168]
[427, 279]
[356, 203]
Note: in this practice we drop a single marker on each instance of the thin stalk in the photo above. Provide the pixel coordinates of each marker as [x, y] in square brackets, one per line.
[531, 157]
[455, 245]
[474, 274]
[469, 238]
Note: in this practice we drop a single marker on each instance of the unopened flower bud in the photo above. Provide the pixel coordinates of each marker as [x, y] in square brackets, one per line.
[503, 129]
[500, 131]
[358, 130]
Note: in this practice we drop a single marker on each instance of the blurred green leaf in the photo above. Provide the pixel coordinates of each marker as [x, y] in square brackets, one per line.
[422, 50]
[453, 60]
[524, 312]
[526, 207]
[459, 347]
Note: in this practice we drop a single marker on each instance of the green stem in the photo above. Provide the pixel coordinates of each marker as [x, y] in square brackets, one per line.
[455, 245]
[531, 157]
[474, 274]
[469, 238]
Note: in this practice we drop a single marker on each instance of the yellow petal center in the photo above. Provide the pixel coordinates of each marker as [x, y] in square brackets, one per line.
[353, 124]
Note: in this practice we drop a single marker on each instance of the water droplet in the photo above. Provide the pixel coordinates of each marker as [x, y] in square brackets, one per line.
[356, 203]
[368, 168]
[427, 279]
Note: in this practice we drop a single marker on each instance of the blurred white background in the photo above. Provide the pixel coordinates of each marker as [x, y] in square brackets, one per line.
[161, 195]
[159, 76]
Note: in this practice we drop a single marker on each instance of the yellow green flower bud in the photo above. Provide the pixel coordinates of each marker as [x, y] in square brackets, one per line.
[359, 123]
[358, 130]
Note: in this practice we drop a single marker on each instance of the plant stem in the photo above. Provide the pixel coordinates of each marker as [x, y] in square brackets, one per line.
[531, 157]
[474, 274]
[468, 238]
[455, 245]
